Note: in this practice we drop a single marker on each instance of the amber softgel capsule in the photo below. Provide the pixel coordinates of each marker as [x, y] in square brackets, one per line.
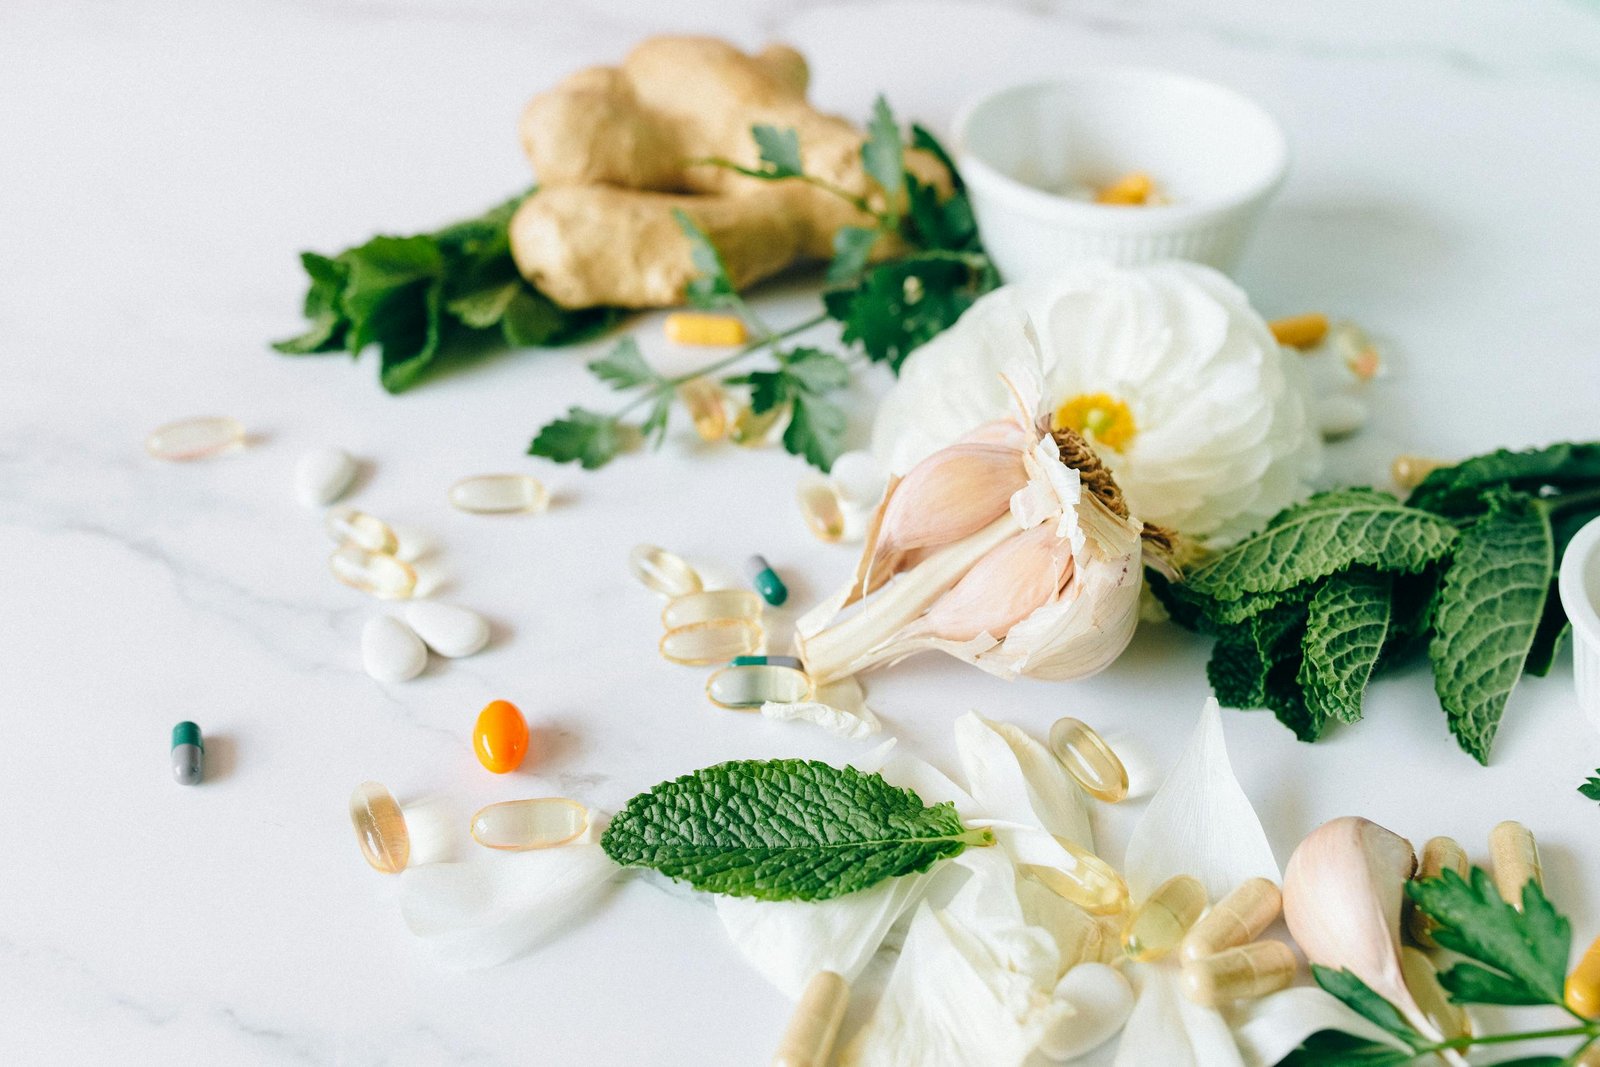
[380, 828]
[1089, 882]
[524, 825]
[1157, 926]
[1089, 760]
[198, 438]
[499, 494]
[700, 644]
[663, 572]
[708, 605]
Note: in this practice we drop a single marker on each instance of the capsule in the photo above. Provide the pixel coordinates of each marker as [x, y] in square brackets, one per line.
[1583, 984]
[1300, 331]
[766, 580]
[700, 644]
[819, 506]
[199, 438]
[188, 754]
[524, 825]
[1422, 981]
[1156, 926]
[1514, 860]
[1440, 854]
[380, 828]
[709, 605]
[857, 480]
[707, 406]
[662, 572]
[1244, 972]
[760, 661]
[499, 494]
[1130, 190]
[808, 1042]
[1409, 471]
[750, 686]
[373, 572]
[1090, 883]
[1353, 346]
[500, 737]
[1089, 760]
[1237, 919]
[347, 526]
[698, 328]
[750, 428]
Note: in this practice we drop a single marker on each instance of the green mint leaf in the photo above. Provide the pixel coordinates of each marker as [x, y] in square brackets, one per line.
[1528, 948]
[624, 366]
[815, 431]
[1532, 1061]
[1488, 612]
[532, 319]
[386, 288]
[780, 151]
[1325, 535]
[1359, 998]
[1333, 1048]
[899, 305]
[1591, 786]
[712, 287]
[407, 334]
[784, 830]
[1346, 628]
[583, 437]
[883, 155]
[852, 245]
[1459, 490]
[483, 308]
[323, 307]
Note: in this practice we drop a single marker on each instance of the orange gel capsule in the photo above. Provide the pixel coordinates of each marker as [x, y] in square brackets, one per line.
[500, 737]
[1583, 984]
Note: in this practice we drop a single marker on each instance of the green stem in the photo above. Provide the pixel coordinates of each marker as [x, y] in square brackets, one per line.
[1589, 498]
[1590, 1031]
[888, 222]
[760, 343]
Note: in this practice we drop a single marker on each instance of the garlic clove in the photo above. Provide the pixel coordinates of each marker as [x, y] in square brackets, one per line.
[955, 492]
[1014, 580]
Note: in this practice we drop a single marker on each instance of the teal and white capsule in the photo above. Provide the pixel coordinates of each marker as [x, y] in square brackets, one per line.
[766, 580]
[188, 754]
[766, 661]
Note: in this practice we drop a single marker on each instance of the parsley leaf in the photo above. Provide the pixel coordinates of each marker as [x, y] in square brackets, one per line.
[624, 366]
[1360, 998]
[582, 436]
[1332, 1048]
[852, 245]
[803, 379]
[883, 155]
[1591, 786]
[711, 287]
[899, 305]
[780, 151]
[1521, 956]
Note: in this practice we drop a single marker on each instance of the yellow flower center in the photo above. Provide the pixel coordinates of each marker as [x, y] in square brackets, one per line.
[1101, 416]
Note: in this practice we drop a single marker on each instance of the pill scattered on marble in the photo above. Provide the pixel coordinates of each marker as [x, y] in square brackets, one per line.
[499, 494]
[391, 651]
[766, 580]
[198, 438]
[663, 572]
[188, 754]
[323, 475]
[500, 737]
[857, 480]
[1340, 415]
[449, 630]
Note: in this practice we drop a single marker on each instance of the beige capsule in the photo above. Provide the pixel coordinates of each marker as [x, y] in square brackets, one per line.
[198, 438]
[819, 506]
[814, 1026]
[380, 828]
[499, 494]
[1440, 854]
[524, 825]
[710, 604]
[700, 644]
[1408, 471]
[1090, 883]
[373, 572]
[1422, 981]
[707, 405]
[1157, 926]
[348, 526]
[750, 428]
[1514, 860]
[1237, 919]
[1244, 972]
[663, 572]
[1089, 760]
[749, 685]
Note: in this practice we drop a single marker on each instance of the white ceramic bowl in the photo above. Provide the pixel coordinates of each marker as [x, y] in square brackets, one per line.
[1580, 596]
[1024, 151]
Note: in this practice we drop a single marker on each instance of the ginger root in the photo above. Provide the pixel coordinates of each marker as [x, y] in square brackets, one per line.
[617, 149]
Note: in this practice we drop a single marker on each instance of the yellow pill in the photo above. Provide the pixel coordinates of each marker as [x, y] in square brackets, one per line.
[1300, 331]
[710, 604]
[373, 572]
[1238, 918]
[1089, 760]
[1409, 471]
[750, 429]
[1422, 980]
[1130, 190]
[347, 526]
[695, 328]
[708, 407]
[199, 438]
[663, 572]
[808, 1042]
[1090, 882]
[1583, 984]
[1440, 854]
[1156, 926]
[1514, 860]
[819, 506]
[524, 825]
[1241, 973]
[380, 828]
[700, 644]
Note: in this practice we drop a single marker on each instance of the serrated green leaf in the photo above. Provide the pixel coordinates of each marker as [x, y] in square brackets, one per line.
[1347, 624]
[654, 427]
[1460, 490]
[712, 286]
[624, 366]
[1591, 786]
[407, 333]
[1528, 947]
[816, 430]
[581, 436]
[1532, 1061]
[816, 371]
[483, 308]
[922, 139]
[784, 830]
[780, 151]
[1323, 536]
[532, 319]
[883, 155]
[897, 306]
[1360, 998]
[1488, 612]
[939, 222]
[1333, 1048]
[323, 307]
[852, 245]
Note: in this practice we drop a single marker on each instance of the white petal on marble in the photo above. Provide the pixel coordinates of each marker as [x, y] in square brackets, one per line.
[449, 630]
[839, 707]
[1268, 1029]
[323, 475]
[1167, 1028]
[391, 651]
[1013, 777]
[1101, 999]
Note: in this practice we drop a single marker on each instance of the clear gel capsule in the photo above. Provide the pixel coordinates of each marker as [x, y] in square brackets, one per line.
[1440, 854]
[752, 685]
[819, 506]
[707, 406]
[1156, 926]
[1090, 883]
[814, 1026]
[1514, 860]
[766, 580]
[1353, 346]
[1089, 760]
[373, 572]
[1241, 973]
[709, 605]
[1409, 471]
[199, 438]
[380, 828]
[188, 754]
[1237, 919]
[750, 429]
[347, 526]
[662, 572]
[1583, 984]
[499, 494]
[1422, 980]
[523, 825]
[702, 643]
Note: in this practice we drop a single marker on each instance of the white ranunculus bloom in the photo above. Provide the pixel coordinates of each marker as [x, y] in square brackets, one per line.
[1168, 371]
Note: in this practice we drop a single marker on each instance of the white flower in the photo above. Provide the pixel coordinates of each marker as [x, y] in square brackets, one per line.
[1175, 379]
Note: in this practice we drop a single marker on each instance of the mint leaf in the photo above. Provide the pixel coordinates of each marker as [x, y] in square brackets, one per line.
[1520, 956]
[323, 307]
[882, 154]
[1591, 786]
[624, 366]
[784, 830]
[1459, 490]
[712, 287]
[852, 245]
[482, 308]
[1359, 997]
[897, 306]
[780, 151]
[1346, 628]
[583, 437]
[1488, 613]
[1333, 1048]
[1323, 536]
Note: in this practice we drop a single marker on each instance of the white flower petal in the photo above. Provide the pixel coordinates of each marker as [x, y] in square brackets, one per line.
[1167, 1028]
[839, 707]
[1268, 1029]
[1013, 777]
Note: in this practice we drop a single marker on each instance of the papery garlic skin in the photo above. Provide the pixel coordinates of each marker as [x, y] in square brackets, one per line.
[954, 492]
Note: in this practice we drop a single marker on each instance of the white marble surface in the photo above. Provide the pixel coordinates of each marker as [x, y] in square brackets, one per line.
[162, 165]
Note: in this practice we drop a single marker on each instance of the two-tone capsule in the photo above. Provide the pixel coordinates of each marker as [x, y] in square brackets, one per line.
[1440, 854]
[188, 754]
[766, 580]
[1157, 926]
[808, 1042]
[743, 686]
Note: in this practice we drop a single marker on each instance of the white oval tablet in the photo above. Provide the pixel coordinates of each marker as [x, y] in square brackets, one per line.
[323, 475]
[391, 651]
[448, 630]
[1101, 999]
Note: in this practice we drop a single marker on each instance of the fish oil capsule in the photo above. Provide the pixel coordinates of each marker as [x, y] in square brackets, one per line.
[707, 406]
[1300, 331]
[1156, 926]
[1409, 471]
[1089, 760]
[380, 828]
[199, 438]
[766, 580]
[697, 328]
[347, 526]
[524, 825]
[752, 685]
[500, 737]
[814, 1026]
[750, 429]
[709, 605]
[1583, 984]
[662, 572]
[1422, 981]
[1090, 883]
[819, 506]
[1130, 190]
[499, 494]
[758, 661]
[1244, 972]
[188, 754]
[1237, 919]
[1440, 854]
[702, 643]
[1514, 860]
[373, 572]
[1353, 346]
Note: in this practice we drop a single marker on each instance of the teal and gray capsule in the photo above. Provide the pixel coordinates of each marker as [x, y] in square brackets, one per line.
[188, 754]
[766, 580]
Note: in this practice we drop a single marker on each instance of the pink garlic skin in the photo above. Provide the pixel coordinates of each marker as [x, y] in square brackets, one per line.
[954, 492]
[1011, 582]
